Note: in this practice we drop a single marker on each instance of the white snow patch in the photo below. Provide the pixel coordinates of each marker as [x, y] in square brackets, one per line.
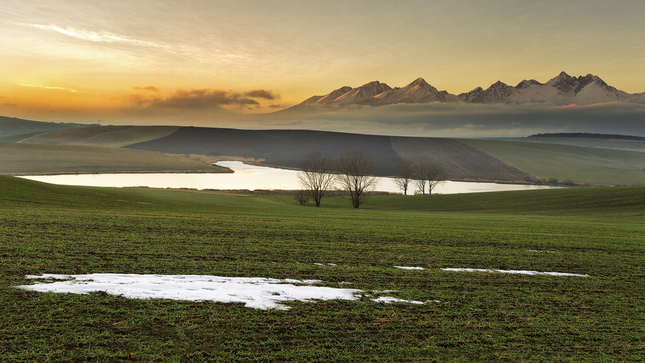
[409, 268]
[522, 272]
[254, 292]
[389, 300]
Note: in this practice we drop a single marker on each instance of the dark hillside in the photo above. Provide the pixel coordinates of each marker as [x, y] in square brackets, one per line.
[284, 148]
[458, 160]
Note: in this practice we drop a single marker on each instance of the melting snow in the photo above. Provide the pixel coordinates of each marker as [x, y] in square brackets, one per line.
[255, 292]
[389, 300]
[514, 272]
[409, 268]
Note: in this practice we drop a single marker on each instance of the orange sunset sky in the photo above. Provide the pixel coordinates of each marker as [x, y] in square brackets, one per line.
[185, 62]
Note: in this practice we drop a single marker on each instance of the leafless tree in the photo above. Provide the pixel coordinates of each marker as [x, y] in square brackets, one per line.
[427, 174]
[302, 196]
[405, 176]
[356, 175]
[315, 175]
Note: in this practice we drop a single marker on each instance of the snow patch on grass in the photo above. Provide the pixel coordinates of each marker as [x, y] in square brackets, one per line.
[522, 272]
[389, 300]
[409, 268]
[254, 292]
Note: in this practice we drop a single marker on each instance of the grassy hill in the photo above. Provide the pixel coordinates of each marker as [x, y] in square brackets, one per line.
[286, 148]
[596, 142]
[466, 317]
[461, 159]
[107, 136]
[580, 164]
[67, 159]
[11, 126]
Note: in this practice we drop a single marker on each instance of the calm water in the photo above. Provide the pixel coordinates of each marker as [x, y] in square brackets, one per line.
[248, 177]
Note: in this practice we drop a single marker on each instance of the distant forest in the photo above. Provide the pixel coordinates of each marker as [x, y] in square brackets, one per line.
[583, 135]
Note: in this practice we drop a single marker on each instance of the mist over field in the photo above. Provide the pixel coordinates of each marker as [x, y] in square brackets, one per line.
[462, 120]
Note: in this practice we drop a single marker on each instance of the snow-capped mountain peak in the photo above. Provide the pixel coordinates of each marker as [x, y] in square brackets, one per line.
[562, 89]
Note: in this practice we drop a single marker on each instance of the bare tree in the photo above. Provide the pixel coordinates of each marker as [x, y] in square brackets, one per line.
[405, 176]
[355, 175]
[315, 175]
[427, 174]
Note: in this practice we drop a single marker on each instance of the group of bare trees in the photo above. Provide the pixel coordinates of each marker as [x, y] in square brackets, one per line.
[425, 176]
[319, 174]
[353, 171]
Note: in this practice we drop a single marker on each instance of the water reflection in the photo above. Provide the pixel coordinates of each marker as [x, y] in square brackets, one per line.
[249, 177]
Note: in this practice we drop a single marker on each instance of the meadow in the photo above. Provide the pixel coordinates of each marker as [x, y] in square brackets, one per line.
[582, 165]
[465, 317]
[30, 159]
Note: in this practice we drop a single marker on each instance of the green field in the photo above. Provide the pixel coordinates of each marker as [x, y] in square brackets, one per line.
[580, 164]
[23, 159]
[466, 317]
[604, 143]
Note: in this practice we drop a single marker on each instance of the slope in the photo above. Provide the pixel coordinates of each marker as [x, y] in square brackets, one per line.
[66, 159]
[283, 148]
[456, 158]
[286, 148]
[108, 136]
[15, 126]
[580, 164]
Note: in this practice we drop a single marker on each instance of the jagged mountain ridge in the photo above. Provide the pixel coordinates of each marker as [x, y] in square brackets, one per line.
[559, 91]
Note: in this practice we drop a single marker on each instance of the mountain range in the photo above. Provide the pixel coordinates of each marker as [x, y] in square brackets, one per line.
[559, 91]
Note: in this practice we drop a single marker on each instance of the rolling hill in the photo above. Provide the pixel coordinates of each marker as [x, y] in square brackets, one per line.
[108, 136]
[461, 159]
[22, 159]
[286, 148]
[11, 126]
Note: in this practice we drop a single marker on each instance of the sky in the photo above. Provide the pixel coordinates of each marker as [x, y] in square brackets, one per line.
[205, 62]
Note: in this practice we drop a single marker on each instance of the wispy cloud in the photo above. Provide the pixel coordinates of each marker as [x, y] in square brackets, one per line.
[48, 87]
[93, 36]
[149, 88]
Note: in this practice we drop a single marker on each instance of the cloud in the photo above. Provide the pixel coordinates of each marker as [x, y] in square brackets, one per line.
[149, 88]
[48, 87]
[197, 99]
[11, 104]
[97, 37]
[260, 93]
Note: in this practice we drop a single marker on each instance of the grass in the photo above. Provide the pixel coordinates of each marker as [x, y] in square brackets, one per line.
[22, 159]
[580, 164]
[605, 143]
[480, 317]
[105, 136]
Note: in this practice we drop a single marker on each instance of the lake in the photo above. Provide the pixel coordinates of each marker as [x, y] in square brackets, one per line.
[249, 177]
